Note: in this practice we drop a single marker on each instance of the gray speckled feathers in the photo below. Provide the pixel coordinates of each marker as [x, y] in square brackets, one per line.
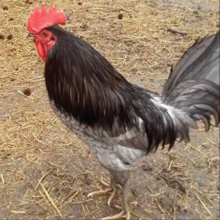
[193, 84]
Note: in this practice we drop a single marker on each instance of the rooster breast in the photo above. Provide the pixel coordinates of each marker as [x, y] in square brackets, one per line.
[112, 152]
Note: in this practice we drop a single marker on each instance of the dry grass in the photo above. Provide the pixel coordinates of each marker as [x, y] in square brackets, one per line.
[46, 172]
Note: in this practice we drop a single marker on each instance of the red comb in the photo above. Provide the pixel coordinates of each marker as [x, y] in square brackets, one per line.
[40, 19]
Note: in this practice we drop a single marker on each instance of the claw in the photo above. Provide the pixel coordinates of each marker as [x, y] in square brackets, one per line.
[112, 187]
[104, 183]
[127, 205]
[112, 195]
[99, 193]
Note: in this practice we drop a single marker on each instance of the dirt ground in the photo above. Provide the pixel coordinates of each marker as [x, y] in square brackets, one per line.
[45, 171]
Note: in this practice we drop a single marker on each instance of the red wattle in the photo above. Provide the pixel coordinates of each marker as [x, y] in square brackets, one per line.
[41, 49]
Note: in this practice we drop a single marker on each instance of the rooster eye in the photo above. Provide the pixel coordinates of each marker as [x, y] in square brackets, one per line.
[52, 38]
[45, 34]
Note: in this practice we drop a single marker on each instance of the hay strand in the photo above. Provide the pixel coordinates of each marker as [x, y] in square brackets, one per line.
[51, 200]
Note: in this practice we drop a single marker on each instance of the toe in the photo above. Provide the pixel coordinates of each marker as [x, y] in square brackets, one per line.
[112, 196]
[99, 193]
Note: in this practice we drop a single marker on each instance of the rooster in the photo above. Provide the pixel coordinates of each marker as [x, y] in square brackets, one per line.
[122, 122]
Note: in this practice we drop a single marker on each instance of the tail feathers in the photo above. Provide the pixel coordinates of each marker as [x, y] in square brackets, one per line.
[199, 99]
[175, 118]
[200, 61]
[193, 85]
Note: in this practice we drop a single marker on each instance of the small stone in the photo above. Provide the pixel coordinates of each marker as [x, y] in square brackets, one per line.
[28, 2]
[27, 92]
[120, 16]
[5, 8]
[10, 36]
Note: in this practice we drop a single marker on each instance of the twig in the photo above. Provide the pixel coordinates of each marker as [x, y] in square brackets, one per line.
[150, 189]
[3, 181]
[197, 196]
[72, 197]
[50, 199]
[159, 206]
[175, 31]
[148, 211]
[41, 179]
[25, 95]
[18, 212]
[31, 161]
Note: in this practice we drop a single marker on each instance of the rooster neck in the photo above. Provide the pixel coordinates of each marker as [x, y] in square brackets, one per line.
[84, 85]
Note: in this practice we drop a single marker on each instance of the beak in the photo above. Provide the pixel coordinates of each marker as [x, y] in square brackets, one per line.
[30, 35]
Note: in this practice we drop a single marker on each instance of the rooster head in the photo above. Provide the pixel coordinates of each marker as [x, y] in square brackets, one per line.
[38, 22]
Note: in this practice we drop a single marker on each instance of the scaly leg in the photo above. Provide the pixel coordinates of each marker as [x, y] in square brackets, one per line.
[112, 187]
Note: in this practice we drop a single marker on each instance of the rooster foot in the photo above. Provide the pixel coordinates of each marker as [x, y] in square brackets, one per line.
[125, 214]
[112, 189]
[127, 205]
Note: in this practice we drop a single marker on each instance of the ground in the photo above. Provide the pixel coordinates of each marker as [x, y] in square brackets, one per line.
[45, 171]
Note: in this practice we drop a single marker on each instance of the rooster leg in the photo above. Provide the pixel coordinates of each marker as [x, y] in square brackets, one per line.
[112, 187]
[122, 178]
